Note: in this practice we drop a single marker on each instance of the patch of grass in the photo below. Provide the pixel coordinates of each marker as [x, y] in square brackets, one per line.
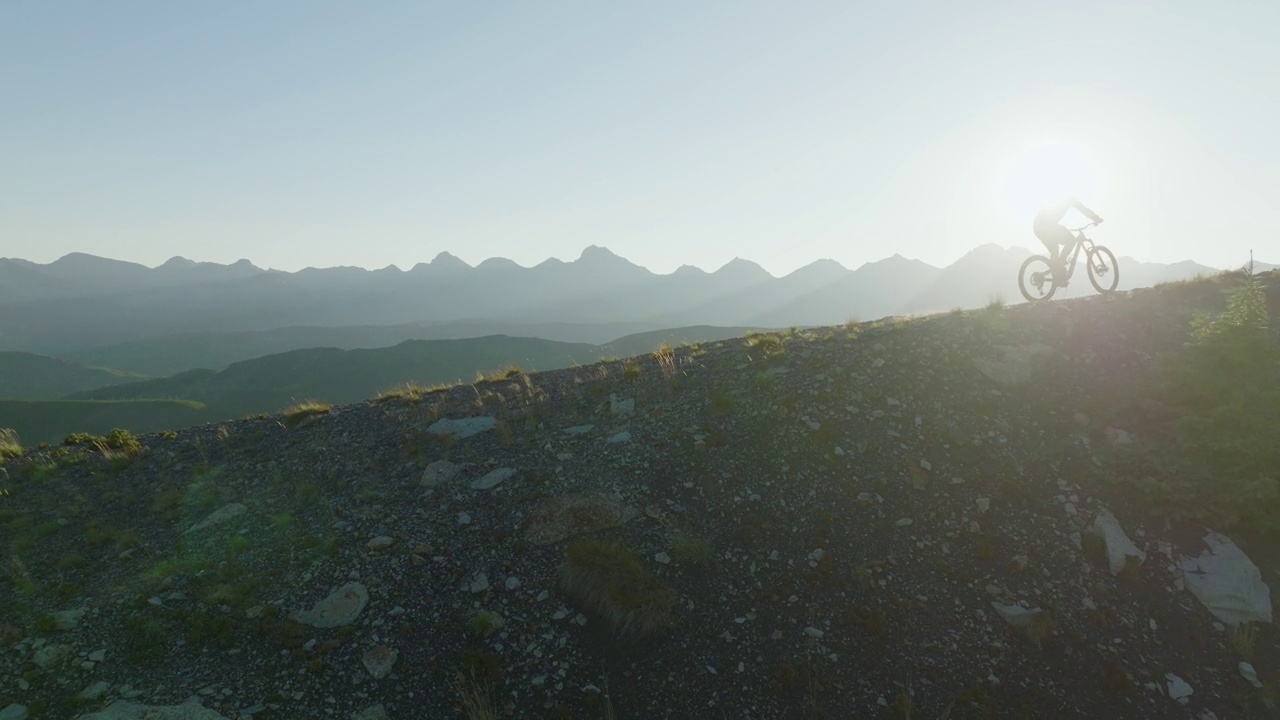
[1243, 638]
[692, 550]
[484, 623]
[305, 412]
[666, 357]
[611, 581]
[476, 697]
[631, 370]
[9, 445]
[505, 373]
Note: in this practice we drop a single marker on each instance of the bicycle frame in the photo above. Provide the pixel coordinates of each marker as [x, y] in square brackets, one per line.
[1076, 246]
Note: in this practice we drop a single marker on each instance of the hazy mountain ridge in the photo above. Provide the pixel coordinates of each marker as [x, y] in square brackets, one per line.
[46, 308]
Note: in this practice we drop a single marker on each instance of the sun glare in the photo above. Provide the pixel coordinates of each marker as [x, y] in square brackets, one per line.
[1044, 172]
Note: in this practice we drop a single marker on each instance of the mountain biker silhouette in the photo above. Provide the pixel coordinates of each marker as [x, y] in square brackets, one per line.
[1056, 237]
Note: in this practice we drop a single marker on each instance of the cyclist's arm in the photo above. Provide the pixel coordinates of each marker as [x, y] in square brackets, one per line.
[1085, 211]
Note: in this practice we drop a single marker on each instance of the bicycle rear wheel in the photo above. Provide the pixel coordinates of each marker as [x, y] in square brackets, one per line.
[1035, 279]
[1104, 273]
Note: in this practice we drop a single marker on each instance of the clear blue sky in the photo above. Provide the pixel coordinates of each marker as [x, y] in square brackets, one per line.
[310, 133]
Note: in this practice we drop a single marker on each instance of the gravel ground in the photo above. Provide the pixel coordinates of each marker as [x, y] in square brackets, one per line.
[819, 523]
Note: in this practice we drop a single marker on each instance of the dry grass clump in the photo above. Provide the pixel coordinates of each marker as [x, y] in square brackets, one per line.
[608, 579]
[505, 373]
[476, 697]
[305, 412]
[9, 445]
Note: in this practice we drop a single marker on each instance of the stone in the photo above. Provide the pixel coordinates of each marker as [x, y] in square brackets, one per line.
[95, 691]
[1249, 674]
[813, 632]
[438, 473]
[1178, 688]
[1227, 582]
[492, 479]
[341, 607]
[1121, 552]
[513, 582]
[579, 429]
[219, 516]
[382, 542]
[984, 504]
[1016, 615]
[1116, 436]
[663, 558]
[50, 655]
[373, 712]
[379, 660]
[126, 710]
[479, 583]
[14, 712]
[464, 518]
[622, 407]
[462, 428]
[68, 619]
[562, 517]
[97, 656]
[621, 437]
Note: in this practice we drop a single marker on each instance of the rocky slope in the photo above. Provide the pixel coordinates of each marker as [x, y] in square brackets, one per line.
[908, 519]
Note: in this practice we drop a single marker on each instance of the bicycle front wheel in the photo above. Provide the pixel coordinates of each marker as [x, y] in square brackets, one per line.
[1104, 273]
[1035, 279]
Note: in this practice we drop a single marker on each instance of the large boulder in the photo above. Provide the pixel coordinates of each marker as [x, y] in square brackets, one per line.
[341, 607]
[1122, 554]
[1227, 582]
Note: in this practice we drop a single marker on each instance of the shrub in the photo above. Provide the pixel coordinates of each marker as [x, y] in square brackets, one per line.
[608, 579]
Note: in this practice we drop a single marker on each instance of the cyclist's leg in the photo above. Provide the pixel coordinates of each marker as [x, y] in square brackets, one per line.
[1058, 240]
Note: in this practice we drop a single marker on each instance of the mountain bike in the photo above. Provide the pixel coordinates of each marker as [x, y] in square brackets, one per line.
[1036, 276]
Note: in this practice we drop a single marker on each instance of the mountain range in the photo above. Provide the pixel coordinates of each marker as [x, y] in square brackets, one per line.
[82, 301]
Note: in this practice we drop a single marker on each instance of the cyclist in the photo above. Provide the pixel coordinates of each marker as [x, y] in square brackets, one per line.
[1057, 238]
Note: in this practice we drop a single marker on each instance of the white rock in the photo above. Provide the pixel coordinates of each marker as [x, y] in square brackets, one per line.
[125, 710]
[1116, 436]
[984, 504]
[579, 429]
[438, 473]
[622, 406]
[925, 464]
[68, 619]
[373, 712]
[513, 582]
[464, 518]
[479, 583]
[813, 632]
[340, 608]
[1178, 688]
[662, 558]
[492, 479]
[1121, 551]
[1016, 615]
[1249, 674]
[463, 428]
[95, 691]
[621, 437]
[379, 660]
[14, 712]
[219, 516]
[1227, 582]
[904, 522]
[382, 542]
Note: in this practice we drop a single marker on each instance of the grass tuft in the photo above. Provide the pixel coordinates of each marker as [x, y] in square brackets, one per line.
[610, 580]
[9, 445]
[476, 697]
[305, 412]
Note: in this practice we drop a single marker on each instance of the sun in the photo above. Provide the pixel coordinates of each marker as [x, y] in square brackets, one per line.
[1045, 171]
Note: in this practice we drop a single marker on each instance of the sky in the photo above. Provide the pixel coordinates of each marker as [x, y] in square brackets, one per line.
[303, 133]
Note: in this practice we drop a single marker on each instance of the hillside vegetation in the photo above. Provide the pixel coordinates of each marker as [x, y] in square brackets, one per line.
[987, 514]
[25, 376]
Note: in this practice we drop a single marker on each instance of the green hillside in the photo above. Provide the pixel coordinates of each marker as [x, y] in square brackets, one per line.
[38, 421]
[27, 376]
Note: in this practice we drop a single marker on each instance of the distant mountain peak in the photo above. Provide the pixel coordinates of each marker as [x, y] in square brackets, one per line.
[596, 253]
[448, 260]
[177, 262]
[741, 266]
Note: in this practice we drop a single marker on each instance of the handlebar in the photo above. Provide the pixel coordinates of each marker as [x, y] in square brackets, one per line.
[1083, 227]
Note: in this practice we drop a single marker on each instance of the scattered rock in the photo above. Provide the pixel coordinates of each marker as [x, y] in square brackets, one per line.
[492, 479]
[513, 582]
[464, 518]
[95, 691]
[219, 516]
[479, 583]
[1116, 436]
[622, 407]
[1249, 674]
[382, 542]
[50, 655]
[621, 437]
[1178, 688]
[373, 712]
[462, 428]
[126, 710]
[1227, 582]
[340, 608]
[68, 619]
[579, 429]
[663, 558]
[14, 712]
[1016, 615]
[438, 473]
[1121, 552]
[568, 515]
[1013, 365]
[379, 660]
